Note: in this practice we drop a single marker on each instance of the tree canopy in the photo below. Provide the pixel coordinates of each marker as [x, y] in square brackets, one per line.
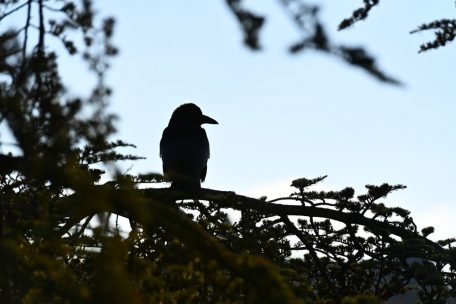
[60, 241]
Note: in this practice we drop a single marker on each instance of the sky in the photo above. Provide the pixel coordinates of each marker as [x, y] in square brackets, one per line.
[284, 116]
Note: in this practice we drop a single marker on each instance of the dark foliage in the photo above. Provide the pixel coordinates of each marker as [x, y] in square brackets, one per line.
[314, 36]
[359, 14]
[250, 23]
[445, 31]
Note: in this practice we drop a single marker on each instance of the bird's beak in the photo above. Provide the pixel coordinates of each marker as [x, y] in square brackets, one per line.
[208, 120]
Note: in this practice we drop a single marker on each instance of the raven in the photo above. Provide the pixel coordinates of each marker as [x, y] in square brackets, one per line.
[184, 148]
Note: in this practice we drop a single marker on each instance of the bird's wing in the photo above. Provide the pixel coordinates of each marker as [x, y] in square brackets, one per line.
[203, 173]
[163, 141]
[167, 150]
[206, 155]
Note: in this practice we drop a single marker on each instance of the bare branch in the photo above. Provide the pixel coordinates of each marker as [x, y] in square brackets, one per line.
[17, 8]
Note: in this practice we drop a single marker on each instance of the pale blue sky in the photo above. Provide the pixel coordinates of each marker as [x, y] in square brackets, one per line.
[287, 116]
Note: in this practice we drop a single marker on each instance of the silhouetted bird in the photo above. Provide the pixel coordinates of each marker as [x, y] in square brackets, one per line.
[184, 148]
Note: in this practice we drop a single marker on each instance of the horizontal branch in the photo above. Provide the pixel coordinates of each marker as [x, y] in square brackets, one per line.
[240, 202]
[154, 200]
[232, 200]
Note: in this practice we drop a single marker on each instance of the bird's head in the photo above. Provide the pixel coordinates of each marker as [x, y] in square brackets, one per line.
[190, 115]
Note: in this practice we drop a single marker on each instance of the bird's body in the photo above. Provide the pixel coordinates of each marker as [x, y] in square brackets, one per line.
[184, 148]
[184, 153]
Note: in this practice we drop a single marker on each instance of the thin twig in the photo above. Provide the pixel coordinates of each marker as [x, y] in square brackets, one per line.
[53, 9]
[42, 28]
[83, 228]
[13, 10]
[27, 24]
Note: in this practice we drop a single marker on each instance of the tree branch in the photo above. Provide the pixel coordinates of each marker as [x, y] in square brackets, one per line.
[151, 198]
[228, 199]
[27, 24]
[42, 28]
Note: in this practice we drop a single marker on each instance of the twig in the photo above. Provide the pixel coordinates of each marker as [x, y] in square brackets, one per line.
[42, 28]
[13, 10]
[27, 24]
